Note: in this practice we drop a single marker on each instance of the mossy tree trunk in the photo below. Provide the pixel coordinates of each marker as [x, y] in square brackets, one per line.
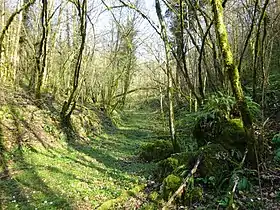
[169, 78]
[9, 22]
[233, 74]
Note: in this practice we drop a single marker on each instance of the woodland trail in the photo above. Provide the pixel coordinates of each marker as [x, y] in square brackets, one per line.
[59, 169]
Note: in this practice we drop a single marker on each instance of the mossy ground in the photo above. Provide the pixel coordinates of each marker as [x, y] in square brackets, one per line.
[47, 167]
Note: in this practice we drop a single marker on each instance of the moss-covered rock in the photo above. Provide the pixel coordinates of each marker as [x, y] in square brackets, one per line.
[166, 167]
[154, 196]
[170, 184]
[156, 151]
[233, 135]
[217, 129]
[183, 157]
[214, 161]
[208, 128]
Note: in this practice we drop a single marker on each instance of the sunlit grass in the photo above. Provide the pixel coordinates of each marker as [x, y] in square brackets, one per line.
[80, 173]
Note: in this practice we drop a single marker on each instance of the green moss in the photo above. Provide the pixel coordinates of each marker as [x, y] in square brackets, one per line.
[166, 167]
[156, 151]
[276, 140]
[277, 155]
[219, 130]
[237, 122]
[170, 184]
[183, 157]
[208, 128]
[110, 204]
[214, 161]
[154, 196]
[149, 206]
[233, 135]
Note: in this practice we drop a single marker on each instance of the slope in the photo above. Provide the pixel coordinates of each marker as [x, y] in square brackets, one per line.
[46, 166]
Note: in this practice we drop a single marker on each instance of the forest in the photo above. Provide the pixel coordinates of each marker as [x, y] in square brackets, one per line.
[139, 104]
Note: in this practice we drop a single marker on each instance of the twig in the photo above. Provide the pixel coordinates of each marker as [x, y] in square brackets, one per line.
[180, 189]
[236, 180]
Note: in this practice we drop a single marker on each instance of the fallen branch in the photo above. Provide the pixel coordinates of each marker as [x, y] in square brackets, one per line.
[181, 188]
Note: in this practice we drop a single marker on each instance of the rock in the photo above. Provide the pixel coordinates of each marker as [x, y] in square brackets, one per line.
[166, 167]
[213, 161]
[156, 151]
[217, 129]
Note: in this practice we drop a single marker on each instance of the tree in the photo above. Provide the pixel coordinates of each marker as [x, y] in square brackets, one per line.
[9, 22]
[234, 78]
[169, 77]
[41, 57]
[69, 105]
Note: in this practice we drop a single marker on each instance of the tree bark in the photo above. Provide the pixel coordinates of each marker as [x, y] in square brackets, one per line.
[42, 54]
[233, 74]
[9, 22]
[67, 109]
[169, 78]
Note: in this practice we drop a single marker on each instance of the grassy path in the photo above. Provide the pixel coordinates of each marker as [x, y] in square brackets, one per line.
[78, 173]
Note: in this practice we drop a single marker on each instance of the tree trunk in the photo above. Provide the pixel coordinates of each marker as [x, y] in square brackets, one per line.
[169, 79]
[66, 111]
[233, 74]
[9, 22]
[42, 54]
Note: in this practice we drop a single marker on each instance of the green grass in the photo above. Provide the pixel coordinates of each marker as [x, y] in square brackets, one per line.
[77, 172]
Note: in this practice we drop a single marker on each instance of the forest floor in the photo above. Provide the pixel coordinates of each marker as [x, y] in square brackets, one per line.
[93, 165]
[45, 166]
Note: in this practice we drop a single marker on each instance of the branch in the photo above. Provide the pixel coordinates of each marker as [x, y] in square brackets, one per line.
[134, 90]
[181, 188]
[131, 6]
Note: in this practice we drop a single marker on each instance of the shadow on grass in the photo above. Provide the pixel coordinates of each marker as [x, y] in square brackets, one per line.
[12, 194]
[18, 179]
[101, 150]
[76, 142]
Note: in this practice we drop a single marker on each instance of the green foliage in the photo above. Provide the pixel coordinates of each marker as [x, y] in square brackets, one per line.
[166, 167]
[278, 196]
[149, 206]
[170, 184]
[194, 195]
[276, 143]
[224, 202]
[156, 151]
[154, 196]
[49, 128]
[254, 108]
[214, 162]
[208, 128]
[224, 104]
[276, 140]
[185, 124]
[244, 184]
[219, 103]
[209, 181]
[277, 155]
[217, 129]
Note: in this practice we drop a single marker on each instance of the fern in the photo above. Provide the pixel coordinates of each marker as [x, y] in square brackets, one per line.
[223, 104]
